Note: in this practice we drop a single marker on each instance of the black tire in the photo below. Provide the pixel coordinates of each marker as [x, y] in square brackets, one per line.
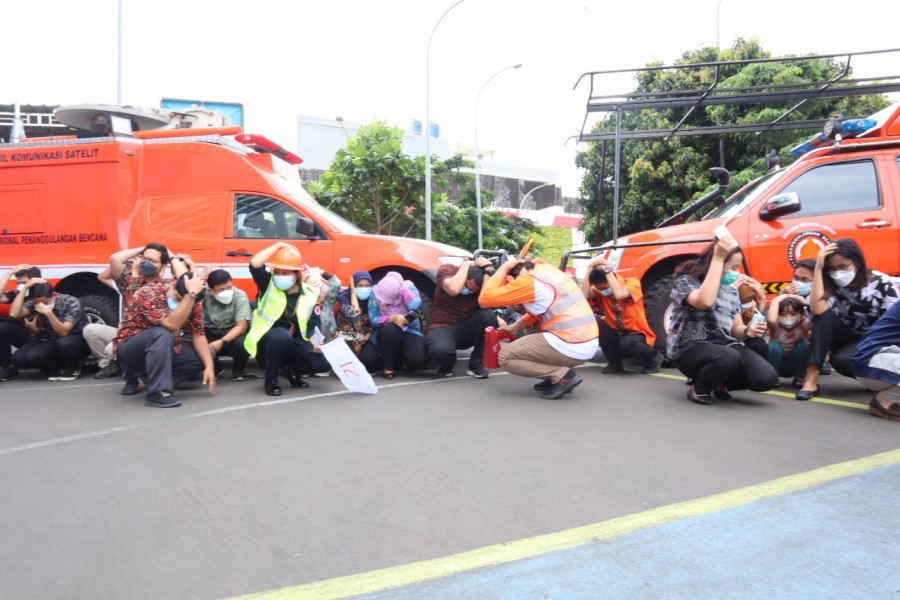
[656, 305]
[100, 309]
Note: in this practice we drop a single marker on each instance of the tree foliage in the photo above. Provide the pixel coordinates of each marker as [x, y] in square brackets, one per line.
[661, 176]
[380, 189]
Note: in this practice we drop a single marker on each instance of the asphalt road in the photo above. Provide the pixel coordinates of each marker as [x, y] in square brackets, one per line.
[432, 482]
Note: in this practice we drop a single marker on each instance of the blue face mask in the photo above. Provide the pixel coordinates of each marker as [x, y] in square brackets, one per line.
[804, 289]
[466, 291]
[606, 292]
[729, 278]
[363, 293]
[283, 282]
[173, 303]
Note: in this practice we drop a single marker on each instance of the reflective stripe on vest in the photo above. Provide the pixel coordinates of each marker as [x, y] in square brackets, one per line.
[569, 316]
[271, 307]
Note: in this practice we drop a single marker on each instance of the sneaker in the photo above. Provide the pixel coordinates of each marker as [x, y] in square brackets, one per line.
[8, 373]
[238, 376]
[445, 372]
[219, 369]
[569, 382]
[110, 370]
[543, 386]
[54, 375]
[825, 369]
[478, 373]
[69, 374]
[654, 363]
[323, 374]
[162, 399]
[132, 387]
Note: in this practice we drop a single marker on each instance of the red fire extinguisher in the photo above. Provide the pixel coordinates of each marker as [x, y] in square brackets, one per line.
[492, 339]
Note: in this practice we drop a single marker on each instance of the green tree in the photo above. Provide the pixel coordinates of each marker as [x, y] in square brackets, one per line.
[661, 176]
[378, 187]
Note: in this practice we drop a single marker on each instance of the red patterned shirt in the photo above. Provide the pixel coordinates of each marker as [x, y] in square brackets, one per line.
[149, 307]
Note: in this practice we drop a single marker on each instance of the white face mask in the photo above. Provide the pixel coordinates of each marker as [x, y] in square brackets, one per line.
[225, 296]
[787, 322]
[843, 278]
[50, 305]
[20, 287]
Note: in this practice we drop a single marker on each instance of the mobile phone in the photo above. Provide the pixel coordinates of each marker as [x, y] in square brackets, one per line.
[410, 317]
[721, 232]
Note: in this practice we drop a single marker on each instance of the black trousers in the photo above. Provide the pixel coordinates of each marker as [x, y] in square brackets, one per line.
[398, 345]
[735, 366]
[235, 348]
[12, 333]
[830, 334]
[277, 348]
[64, 353]
[616, 345]
[443, 342]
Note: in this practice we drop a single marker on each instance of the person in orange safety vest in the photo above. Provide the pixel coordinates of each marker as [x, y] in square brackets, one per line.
[552, 301]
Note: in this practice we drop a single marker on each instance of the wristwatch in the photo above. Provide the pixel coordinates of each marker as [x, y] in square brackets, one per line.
[606, 270]
[193, 295]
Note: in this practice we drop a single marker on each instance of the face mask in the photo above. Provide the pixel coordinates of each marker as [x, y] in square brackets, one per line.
[466, 291]
[283, 282]
[746, 305]
[20, 287]
[606, 292]
[787, 322]
[804, 289]
[173, 303]
[50, 305]
[363, 293]
[225, 296]
[843, 278]
[147, 268]
[729, 278]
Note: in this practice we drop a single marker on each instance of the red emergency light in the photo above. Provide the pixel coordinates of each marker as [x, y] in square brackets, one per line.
[264, 144]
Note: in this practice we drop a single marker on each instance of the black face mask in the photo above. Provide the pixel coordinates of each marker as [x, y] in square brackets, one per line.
[147, 268]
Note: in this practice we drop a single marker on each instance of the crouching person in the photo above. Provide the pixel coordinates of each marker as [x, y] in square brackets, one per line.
[150, 339]
[568, 330]
[54, 322]
[226, 312]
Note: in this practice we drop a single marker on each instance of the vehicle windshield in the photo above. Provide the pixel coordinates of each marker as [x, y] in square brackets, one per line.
[745, 196]
[342, 224]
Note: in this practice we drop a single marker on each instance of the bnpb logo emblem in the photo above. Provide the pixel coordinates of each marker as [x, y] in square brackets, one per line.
[806, 244]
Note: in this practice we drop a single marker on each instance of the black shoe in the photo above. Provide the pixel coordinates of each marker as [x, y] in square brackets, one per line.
[613, 369]
[445, 372]
[654, 363]
[543, 386]
[8, 373]
[390, 375]
[478, 373]
[705, 400]
[807, 394]
[132, 387]
[219, 369]
[272, 388]
[69, 374]
[721, 395]
[238, 375]
[825, 369]
[568, 383]
[54, 375]
[110, 370]
[296, 382]
[162, 399]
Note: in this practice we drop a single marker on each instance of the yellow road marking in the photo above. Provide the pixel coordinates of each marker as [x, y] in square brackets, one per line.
[382, 579]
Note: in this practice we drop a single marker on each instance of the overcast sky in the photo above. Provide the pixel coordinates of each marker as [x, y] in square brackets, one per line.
[361, 59]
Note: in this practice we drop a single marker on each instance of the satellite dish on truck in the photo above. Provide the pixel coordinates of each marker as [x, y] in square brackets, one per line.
[106, 118]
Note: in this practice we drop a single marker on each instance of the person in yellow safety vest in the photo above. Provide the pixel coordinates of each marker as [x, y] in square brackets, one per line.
[568, 330]
[285, 317]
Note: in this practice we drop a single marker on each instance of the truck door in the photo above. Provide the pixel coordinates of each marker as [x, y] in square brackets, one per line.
[259, 221]
[849, 198]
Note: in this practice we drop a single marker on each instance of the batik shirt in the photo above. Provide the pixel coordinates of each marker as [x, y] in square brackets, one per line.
[691, 326]
[149, 308]
[859, 309]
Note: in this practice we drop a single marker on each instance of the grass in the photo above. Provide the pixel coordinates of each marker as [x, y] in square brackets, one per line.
[553, 241]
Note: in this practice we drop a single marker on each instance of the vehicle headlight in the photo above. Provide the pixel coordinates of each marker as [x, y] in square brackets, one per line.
[614, 256]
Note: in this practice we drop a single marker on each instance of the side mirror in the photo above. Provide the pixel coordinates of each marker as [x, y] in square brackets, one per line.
[306, 226]
[780, 205]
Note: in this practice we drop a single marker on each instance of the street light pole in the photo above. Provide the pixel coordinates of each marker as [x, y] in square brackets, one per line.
[477, 156]
[428, 127]
[531, 191]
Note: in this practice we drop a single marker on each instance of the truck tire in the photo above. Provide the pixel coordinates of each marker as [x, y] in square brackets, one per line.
[100, 309]
[656, 306]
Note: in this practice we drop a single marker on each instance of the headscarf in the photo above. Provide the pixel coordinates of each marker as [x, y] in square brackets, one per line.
[392, 293]
[360, 275]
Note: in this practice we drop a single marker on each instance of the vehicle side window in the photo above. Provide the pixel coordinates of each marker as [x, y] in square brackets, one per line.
[837, 187]
[258, 216]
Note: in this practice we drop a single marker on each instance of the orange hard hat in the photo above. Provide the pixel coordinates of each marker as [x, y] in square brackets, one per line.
[288, 258]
